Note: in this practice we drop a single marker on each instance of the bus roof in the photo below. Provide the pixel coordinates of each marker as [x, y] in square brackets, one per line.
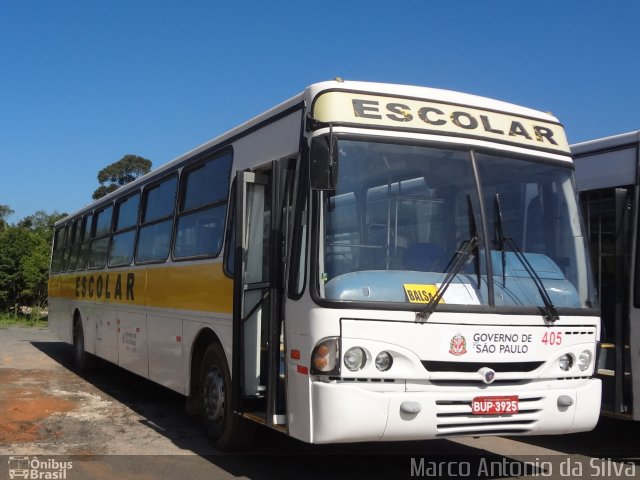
[618, 152]
[311, 92]
[606, 143]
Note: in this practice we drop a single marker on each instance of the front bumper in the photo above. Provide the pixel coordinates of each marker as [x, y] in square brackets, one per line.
[349, 413]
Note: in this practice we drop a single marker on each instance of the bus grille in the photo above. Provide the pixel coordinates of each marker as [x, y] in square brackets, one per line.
[468, 367]
[454, 418]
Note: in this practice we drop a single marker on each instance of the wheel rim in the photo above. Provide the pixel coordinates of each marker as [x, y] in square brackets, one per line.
[213, 396]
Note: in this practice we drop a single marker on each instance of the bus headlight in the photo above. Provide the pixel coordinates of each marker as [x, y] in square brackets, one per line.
[384, 360]
[565, 362]
[584, 360]
[355, 359]
[324, 358]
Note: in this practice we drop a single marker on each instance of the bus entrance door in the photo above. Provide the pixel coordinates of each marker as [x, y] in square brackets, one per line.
[609, 218]
[256, 312]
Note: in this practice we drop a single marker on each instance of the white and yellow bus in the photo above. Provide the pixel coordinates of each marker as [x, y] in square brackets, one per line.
[362, 262]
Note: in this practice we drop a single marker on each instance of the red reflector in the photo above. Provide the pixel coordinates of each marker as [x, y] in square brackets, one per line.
[302, 369]
[137, 330]
[295, 354]
[178, 339]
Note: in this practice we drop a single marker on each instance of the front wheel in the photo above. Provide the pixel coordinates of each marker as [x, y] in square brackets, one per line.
[226, 429]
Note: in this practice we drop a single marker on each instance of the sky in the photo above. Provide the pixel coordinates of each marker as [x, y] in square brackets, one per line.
[85, 82]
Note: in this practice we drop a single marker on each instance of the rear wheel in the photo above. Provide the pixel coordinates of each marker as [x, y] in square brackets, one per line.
[83, 360]
[227, 430]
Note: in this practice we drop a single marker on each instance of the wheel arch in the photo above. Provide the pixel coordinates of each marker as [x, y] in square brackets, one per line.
[205, 337]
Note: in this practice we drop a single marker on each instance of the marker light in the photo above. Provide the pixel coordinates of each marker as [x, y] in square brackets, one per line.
[565, 362]
[355, 358]
[324, 357]
[584, 360]
[384, 360]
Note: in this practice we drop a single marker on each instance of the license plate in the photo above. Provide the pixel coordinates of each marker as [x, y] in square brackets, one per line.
[494, 405]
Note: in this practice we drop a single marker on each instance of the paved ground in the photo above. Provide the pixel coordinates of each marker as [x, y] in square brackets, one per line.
[113, 424]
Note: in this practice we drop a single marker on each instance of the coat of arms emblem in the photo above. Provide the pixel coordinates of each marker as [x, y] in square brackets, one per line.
[458, 345]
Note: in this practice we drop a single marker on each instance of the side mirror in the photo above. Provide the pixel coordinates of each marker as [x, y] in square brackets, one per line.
[324, 163]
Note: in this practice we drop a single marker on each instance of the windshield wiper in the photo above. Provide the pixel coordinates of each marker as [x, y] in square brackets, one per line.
[498, 236]
[550, 311]
[458, 260]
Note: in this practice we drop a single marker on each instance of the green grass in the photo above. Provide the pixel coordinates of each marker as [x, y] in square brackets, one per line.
[29, 321]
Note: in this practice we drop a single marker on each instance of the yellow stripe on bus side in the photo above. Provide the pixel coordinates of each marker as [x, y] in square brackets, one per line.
[190, 287]
[193, 287]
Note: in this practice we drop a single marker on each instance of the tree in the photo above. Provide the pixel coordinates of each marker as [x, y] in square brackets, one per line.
[24, 260]
[119, 173]
[16, 245]
[5, 211]
[34, 269]
[42, 223]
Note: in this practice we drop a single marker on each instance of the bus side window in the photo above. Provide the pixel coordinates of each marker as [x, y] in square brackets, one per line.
[156, 222]
[85, 236]
[74, 245]
[65, 254]
[58, 250]
[100, 238]
[124, 236]
[202, 208]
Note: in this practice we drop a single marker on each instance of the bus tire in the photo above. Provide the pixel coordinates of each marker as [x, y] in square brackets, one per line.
[83, 360]
[226, 429]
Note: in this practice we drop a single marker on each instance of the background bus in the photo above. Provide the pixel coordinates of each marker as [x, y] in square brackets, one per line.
[607, 179]
[362, 262]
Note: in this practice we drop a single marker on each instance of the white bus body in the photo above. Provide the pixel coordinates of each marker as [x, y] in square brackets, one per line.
[285, 271]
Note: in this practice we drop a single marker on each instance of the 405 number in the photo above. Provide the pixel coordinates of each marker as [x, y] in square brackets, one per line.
[552, 338]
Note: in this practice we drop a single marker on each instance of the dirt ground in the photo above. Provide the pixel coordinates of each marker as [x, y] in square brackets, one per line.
[45, 407]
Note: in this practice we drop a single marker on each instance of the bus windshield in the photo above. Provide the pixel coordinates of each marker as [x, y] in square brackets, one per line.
[391, 229]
